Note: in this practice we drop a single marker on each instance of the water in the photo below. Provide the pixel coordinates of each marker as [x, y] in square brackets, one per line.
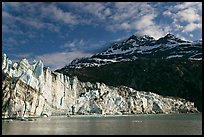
[169, 124]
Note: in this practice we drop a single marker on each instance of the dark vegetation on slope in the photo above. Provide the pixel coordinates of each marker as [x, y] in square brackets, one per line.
[175, 77]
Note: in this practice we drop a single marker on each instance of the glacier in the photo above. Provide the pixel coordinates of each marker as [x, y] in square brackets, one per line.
[32, 90]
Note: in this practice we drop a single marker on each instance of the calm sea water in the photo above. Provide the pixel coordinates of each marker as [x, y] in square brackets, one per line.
[168, 124]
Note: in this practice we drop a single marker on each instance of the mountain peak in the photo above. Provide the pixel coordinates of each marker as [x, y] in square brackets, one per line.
[136, 47]
[135, 37]
[140, 37]
[169, 35]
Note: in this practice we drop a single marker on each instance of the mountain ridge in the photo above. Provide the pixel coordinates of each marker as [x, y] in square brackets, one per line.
[170, 69]
[136, 47]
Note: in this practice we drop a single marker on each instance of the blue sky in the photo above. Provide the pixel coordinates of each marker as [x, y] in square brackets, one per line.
[58, 32]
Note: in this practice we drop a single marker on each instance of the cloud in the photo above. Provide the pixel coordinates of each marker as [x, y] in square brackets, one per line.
[191, 27]
[96, 9]
[124, 13]
[154, 31]
[111, 16]
[130, 10]
[146, 25]
[22, 55]
[58, 14]
[87, 46]
[145, 21]
[73, 45]
[10, 41]
[37, 24]
[31, 22]
[185, 5]
[125, 26]
[58, 60]
[188, 15]
[191, 35]
[6, 16]
[38, 15]
[138, 17]
[181, 37]
[14, 5]
[191, 14]
[9, 20]
[167, 13]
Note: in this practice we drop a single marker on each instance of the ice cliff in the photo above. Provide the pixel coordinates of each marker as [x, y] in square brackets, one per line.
[33, 90]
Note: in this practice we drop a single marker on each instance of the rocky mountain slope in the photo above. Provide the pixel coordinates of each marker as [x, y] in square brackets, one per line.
[178, 78]
[168, 66]
[31, 90]
[136, 47]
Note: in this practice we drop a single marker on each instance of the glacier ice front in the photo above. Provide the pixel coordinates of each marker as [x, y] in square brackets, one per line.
[34, 90]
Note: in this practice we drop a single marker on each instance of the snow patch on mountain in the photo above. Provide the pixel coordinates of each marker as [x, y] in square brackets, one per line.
[174, 56]
[135, 47]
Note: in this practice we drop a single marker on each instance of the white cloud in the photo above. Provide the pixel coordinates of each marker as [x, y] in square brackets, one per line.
[181, 37]
[191, 35]
[74, 45]
[38, 15]
[147, 26]
[177, 26]
[6, 16]
[154, 31]
[185, 5]
[40, 11]
[131, 10]
[145, 21]
[99, 10]
[58, 60]
[107, 12]
[37, 24]
[125, 26]
[30, 22]
[139, 17]
[187, 12]
[192, 26]
[10, 21]
[168, 13]
[56, 13]
[188, 15]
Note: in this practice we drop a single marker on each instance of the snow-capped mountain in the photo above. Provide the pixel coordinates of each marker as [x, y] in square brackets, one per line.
[168, 66]
[135, 47]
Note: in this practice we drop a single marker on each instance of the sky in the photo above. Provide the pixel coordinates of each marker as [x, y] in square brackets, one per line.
[58, 32]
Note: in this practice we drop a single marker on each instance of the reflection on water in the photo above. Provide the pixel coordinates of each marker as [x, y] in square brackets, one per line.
[185, 124]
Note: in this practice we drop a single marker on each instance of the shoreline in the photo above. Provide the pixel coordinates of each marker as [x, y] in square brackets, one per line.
[127, 115]
[93, 115]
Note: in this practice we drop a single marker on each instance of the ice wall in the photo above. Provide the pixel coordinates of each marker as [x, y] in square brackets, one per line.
[33, 90]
